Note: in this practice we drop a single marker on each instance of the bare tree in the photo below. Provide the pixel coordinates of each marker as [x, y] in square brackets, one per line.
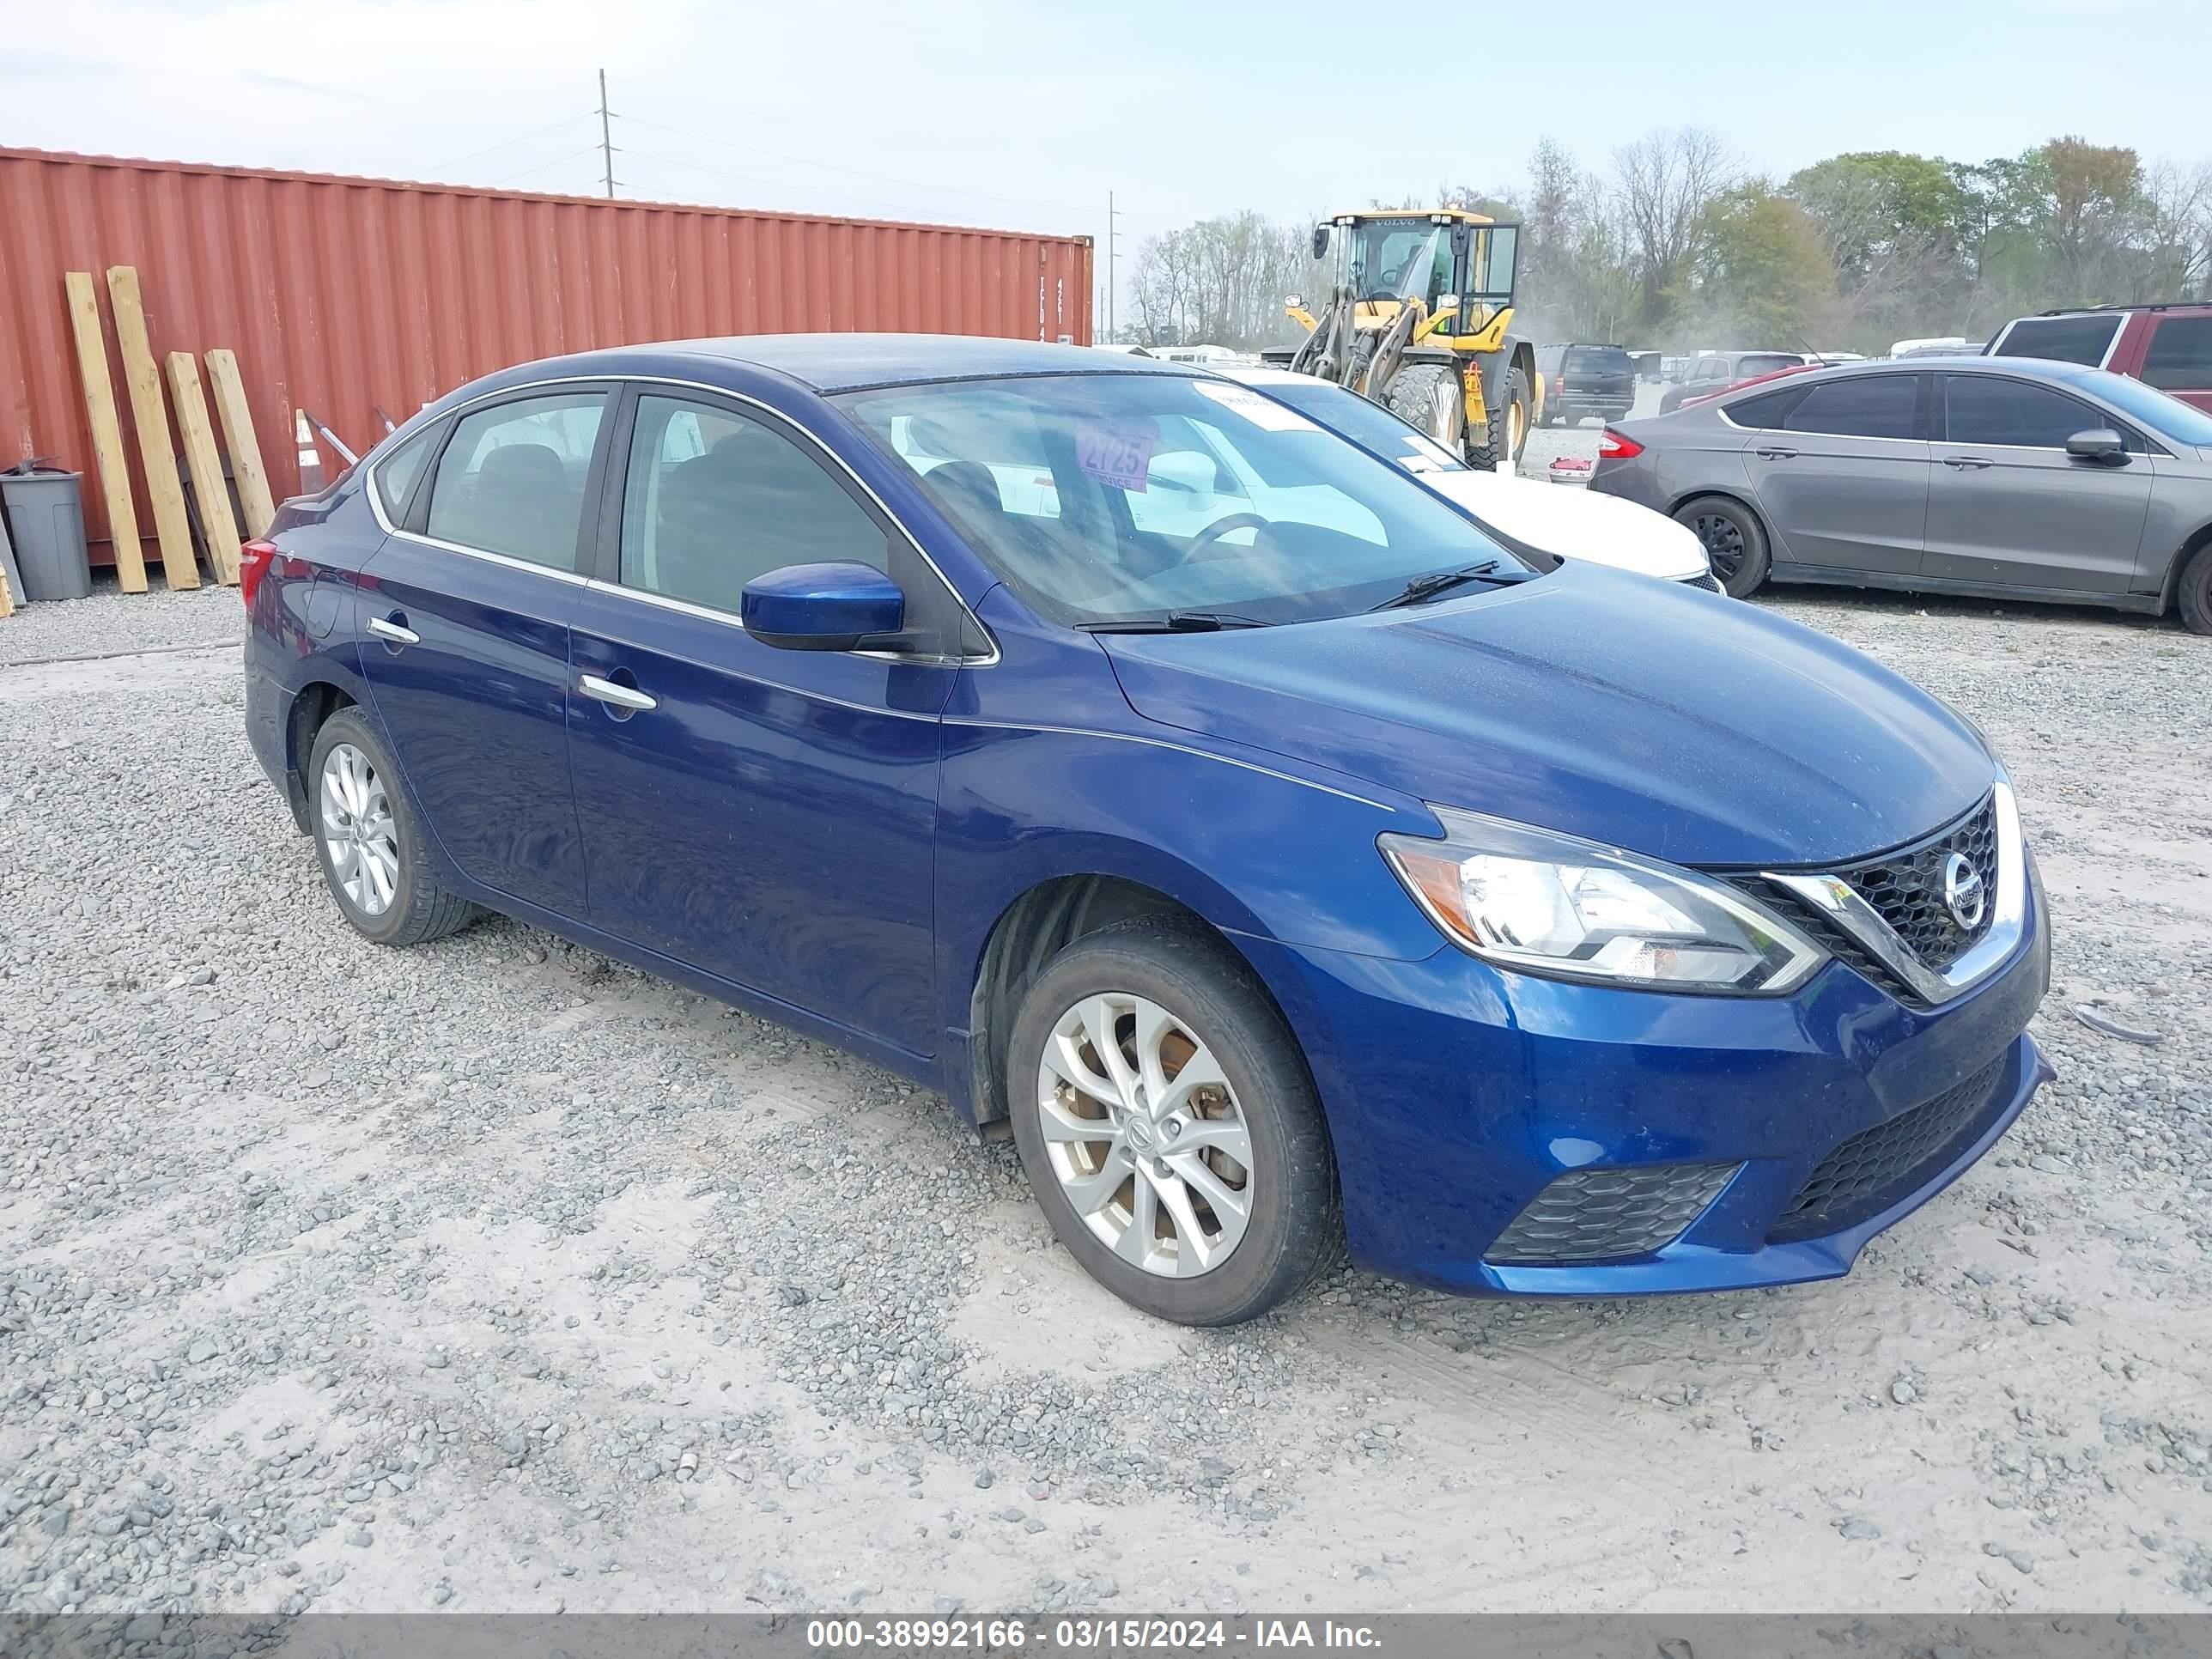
[1665, 183]
[2180, 202]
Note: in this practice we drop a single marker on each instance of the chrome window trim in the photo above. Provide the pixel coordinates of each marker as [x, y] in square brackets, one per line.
[617, 380]
[1835, 899]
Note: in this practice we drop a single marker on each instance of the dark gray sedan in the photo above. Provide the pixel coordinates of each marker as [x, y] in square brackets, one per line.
[1999, 476]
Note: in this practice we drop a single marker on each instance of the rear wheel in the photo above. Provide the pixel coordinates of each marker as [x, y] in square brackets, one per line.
[1169, 1127]
[2194, 593]
[1427, 395]
[1508, 425]
[371, 843]
[1734, 541]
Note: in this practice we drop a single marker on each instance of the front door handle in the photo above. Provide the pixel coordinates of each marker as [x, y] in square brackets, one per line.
[619, 696]
[389, 629]
[1968, 463]
[1774, 452]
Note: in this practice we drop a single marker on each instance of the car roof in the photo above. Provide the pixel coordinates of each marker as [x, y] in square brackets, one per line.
[844, 362]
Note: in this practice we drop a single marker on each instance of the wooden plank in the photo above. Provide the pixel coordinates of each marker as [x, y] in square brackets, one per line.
[106, 433]
[7, 563]
[150, 415]
[216, 520]
[230, 407]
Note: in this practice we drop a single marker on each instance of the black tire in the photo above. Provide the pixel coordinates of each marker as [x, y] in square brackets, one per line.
[1426, 395]
[1295, 1227]
[1736, 542]
[2192, 594]
[1485, 453]
[419, 909]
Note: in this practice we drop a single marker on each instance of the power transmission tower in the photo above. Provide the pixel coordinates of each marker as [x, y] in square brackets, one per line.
[606, 139]
[1113, 243]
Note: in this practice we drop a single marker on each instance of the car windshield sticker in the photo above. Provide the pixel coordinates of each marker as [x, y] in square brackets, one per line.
[1116, 452]
[1263, 412]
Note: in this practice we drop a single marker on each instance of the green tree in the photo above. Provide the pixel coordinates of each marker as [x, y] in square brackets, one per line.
[1762, 267]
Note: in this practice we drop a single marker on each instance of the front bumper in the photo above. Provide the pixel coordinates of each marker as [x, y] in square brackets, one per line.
[1456, 1094]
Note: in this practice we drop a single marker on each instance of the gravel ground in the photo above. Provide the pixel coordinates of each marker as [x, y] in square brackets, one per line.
[496, 1276]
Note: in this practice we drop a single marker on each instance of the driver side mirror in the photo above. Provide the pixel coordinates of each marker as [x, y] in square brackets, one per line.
[822, 607]
[1319, 241]
[2099, 444]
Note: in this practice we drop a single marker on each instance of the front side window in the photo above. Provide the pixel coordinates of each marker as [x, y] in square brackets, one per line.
[1170, 494]
[712, 498]
[1876, 406]
[1986, 409]
[2062, 339]
[2180, 355]
[512, 478]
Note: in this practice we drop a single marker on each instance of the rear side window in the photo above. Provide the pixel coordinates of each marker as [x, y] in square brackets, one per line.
[2180, 356]
[1876, 406]
[715, 498]
[512, 480]
[2062, 339]
[1763, 363]
[1766, 410]
[1987, 408]
[395, 473]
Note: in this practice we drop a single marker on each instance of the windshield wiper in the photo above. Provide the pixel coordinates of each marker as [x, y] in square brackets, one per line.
[1438, 582]
[1175, 621]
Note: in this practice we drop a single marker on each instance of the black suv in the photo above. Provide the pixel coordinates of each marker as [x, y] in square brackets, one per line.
[1586, 380]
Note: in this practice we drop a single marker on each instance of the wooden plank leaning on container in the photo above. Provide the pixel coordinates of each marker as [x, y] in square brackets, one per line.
[106, 433]
[228, 389]
[150, 415]
[217, 522]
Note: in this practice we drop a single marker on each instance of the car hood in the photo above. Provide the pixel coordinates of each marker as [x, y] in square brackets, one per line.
[1653, 717]
[1574, 524]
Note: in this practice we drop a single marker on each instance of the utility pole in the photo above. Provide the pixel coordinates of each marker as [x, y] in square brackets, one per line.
[606, 138]
[1113, 241]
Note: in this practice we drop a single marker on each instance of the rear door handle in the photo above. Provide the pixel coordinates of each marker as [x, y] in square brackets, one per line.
[1968, 463]
[1772, 452]
[619, 696]
[397, 633]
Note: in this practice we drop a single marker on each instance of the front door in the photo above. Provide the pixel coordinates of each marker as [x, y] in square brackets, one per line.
[768, 816]
[464, 620]
[2010, 508]
[1844, 482]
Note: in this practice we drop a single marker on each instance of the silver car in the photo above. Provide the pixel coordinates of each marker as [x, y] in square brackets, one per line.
[1999, 476]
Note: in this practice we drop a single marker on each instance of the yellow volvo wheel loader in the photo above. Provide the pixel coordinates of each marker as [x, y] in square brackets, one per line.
[1419, 318]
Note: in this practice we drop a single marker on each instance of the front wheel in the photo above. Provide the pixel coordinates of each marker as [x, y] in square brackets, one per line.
[1734, 541]
[1498, 448]
[1168, 1127]
[1427, 395]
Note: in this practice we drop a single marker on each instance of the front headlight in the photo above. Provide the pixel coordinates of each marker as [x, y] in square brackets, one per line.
[1553, 904]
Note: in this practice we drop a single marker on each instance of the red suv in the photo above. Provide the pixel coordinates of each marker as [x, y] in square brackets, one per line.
[2168, 346]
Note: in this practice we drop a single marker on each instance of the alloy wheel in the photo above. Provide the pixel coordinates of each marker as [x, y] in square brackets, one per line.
[1145, 1135]
[1724, 539]
[358, 832]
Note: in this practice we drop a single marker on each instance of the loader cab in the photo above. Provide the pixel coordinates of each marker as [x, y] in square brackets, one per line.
[1437, 259]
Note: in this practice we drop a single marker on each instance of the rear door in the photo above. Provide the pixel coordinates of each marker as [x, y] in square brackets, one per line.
[2009, 507]
[2179, 358]
[464, 613]
[1843, 483]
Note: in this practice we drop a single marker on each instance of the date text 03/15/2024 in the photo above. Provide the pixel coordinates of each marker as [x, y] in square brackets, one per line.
[1013, 1635]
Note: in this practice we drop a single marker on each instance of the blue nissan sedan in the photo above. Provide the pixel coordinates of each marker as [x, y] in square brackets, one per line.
[1285, 870]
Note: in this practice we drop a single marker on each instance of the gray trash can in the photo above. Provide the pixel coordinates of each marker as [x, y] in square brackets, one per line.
[45, 521]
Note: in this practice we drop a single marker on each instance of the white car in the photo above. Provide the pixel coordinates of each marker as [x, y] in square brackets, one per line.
[1572, 524]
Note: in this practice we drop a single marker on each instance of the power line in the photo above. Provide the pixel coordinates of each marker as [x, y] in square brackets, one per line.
[832, 167]
[587, 149]
[508, 144]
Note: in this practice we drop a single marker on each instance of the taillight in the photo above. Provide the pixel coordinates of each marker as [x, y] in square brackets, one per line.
[254, 559]
[1615, 446]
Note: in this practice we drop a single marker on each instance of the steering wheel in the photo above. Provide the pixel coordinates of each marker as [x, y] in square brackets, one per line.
[1220, 527]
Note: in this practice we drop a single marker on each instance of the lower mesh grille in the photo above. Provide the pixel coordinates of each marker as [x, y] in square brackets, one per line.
[1600, 1215]
[1873, 1169]
[1710, 582]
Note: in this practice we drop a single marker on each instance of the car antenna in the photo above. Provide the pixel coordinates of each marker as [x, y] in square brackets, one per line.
[1810, 352]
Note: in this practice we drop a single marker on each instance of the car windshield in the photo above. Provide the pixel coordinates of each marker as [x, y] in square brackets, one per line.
[1368, 424]
[1128, 497]
[2167, 415]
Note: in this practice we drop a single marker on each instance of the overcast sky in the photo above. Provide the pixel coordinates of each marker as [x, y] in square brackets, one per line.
[1018, 113]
